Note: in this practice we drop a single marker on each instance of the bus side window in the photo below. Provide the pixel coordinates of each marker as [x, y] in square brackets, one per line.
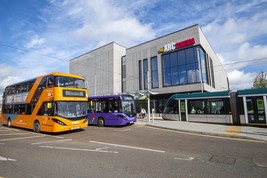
[13, 90]
[42, 84]
[24, 87]
[50, 82]
[46, 109]
[30, 84]
[22, 109]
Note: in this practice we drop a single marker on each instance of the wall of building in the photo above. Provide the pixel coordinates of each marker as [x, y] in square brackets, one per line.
[102, 69]
[150, 49]
[103, 66]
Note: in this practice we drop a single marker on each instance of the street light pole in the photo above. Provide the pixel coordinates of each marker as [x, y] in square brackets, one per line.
[148, 96]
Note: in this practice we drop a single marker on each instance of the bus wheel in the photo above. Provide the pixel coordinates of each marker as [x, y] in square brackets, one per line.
[100, 122]
[36, 126]
[9, 122]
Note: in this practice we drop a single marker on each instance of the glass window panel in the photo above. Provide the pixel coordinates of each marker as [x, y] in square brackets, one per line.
[145, 64]
[215, 106]
[154, 64]
[182, 74]
[171, 107]
[190, 56]
[167, 77]
[173, 59]
[155, 81]
[181, 57]
[197, 71]
[174, 76]
[196, 106]
[154, 72]
[203, 65]
[140, 74]
[191, 73]
[165, 61]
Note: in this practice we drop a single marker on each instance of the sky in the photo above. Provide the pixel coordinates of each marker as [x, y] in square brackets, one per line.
[41, 36]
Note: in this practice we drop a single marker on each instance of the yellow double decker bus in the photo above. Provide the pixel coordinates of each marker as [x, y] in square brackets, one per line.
[54, 102]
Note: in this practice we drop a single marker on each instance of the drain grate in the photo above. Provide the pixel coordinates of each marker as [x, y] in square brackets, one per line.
[223, 159]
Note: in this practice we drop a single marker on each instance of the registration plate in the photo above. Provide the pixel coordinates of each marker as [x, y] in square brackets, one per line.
[73, 128]
[75, 122]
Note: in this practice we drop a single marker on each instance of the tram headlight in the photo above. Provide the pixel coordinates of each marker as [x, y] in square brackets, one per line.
[58, 122]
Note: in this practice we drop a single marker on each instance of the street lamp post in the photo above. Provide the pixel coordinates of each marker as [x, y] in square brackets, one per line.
[148, 96]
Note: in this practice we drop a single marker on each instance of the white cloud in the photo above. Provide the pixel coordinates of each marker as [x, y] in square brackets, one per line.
[235, 39]
[7, 77]
[241, 80]
[246, 52]
[71, 28]
[109, 22]
[35, 41]
[227, 37]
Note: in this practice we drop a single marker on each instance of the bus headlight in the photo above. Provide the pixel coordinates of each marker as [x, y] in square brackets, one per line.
[58, 122]
[123, 117]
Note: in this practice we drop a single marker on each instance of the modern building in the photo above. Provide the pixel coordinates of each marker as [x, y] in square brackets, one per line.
[180, 62]
[102, 69]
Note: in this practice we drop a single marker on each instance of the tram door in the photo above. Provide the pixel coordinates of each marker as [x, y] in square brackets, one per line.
[256, 111]
[183, 110]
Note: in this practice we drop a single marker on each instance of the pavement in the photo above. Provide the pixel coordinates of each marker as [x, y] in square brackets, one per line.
[231, 131]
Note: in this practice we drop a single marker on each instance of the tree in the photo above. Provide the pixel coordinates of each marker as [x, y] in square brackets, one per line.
[260, 80]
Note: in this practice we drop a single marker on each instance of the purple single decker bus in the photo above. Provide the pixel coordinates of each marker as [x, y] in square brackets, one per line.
[111, 110]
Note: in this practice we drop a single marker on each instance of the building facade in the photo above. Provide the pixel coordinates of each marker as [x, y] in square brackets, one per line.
[102, 69]
[180, 62]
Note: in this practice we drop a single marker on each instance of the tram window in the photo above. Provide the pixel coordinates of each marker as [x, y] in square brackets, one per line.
[171, 107]
[215, 106]
[196, 106]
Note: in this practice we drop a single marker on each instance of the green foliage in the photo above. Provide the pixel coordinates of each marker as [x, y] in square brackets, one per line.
[261, 80]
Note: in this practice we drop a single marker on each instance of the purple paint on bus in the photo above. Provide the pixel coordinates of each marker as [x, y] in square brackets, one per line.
[111, 110]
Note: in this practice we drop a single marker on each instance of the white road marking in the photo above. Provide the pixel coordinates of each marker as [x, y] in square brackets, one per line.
[21, 138]
[79, 149]
[4, 129]
[102, 148]
[14, 134]
[186, 158]
[6, 159]
[260, 164]
[122, 130]
[126, 146]
[46, 135]
[39, 143]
